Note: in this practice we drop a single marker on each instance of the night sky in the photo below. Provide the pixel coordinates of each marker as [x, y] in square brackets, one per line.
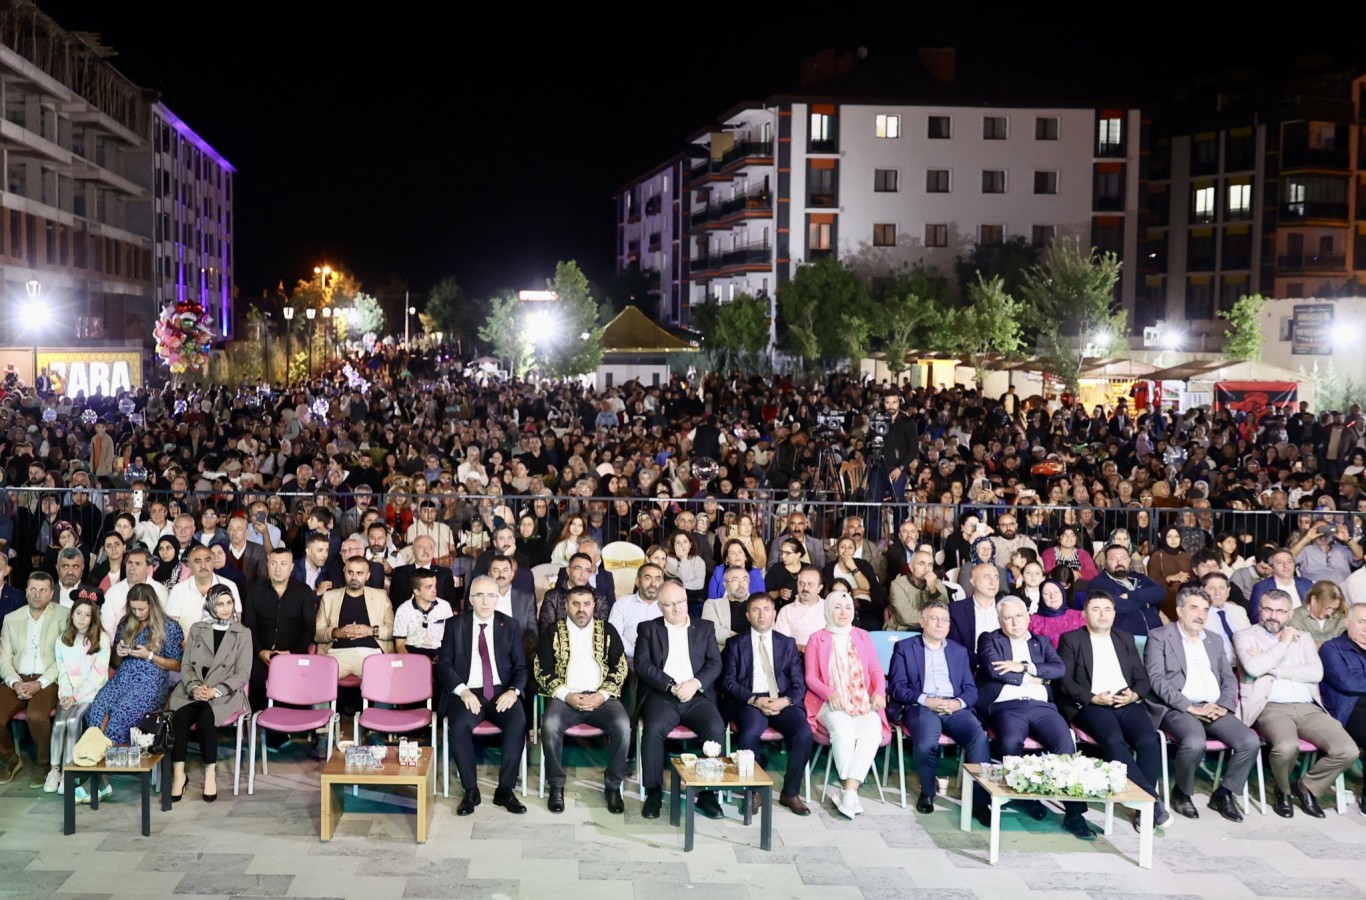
[398, 138]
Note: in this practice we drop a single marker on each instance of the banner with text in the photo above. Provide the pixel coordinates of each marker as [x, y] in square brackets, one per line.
[92, 372]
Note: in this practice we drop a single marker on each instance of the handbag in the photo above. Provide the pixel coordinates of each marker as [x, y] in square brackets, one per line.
[89, 750]
[158, 724]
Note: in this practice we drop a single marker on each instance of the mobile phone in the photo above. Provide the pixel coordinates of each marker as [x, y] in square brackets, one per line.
[137, 499]
[260, 517]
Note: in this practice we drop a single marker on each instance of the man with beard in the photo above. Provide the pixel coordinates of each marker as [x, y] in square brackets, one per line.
[520, 605]
[580, 571]
[1137, 597]
[912, 592]
[1283, 705]
[727, 612]
[424, 553]
[1008, 538]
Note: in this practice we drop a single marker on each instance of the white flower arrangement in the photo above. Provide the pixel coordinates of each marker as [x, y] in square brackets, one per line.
[1061, 774]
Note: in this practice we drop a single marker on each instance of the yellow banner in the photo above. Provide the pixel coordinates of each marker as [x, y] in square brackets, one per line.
[92, 372]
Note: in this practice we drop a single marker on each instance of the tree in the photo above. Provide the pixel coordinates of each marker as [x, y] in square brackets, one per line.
[912, 305]
[737, 328]
[449, 310]
[990, 323]
[574, 346]
[1011, 260]
[827, 312]
[366, 317]
[503, 331]
[1069, 301]
[1244, 334]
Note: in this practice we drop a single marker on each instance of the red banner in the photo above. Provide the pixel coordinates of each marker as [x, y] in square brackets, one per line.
[1254, 396]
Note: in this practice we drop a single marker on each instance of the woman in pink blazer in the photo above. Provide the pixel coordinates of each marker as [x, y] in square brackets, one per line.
[846, 697]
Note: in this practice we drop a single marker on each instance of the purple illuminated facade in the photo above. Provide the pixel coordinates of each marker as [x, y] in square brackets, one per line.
[192, 220]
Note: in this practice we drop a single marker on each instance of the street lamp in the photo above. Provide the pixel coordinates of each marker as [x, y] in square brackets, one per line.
[35, 314]
[327, 332]
[289, 344]
[408, 312]
[310, 313]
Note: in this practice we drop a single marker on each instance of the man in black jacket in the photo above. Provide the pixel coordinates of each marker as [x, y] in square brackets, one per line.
[281, 613]
[888, 477]
[677, 665]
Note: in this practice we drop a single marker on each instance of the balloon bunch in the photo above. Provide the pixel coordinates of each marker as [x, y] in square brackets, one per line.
[183, 337]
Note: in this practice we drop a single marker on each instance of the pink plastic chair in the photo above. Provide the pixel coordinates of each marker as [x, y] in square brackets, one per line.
[303, 681]
[482, 730]
[581, 731]
[679, 733]
[396, 679]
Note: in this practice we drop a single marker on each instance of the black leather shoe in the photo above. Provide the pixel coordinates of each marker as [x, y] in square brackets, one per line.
[1075, 824]
[470, 801]
[925, 804]
[1223, 802]
[983, 815]
[1281, 805]
[654, 802]
[508, 800]
[708, 806]
[1032, 808]
[1183, 806]
[556, 802]
[1307, 800]
[615, 805]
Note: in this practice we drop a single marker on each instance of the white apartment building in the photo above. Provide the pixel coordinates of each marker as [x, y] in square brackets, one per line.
[650, 228]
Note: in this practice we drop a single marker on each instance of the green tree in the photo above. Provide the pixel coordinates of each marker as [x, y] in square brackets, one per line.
[1010, 260]
[449, 310]
[912, 305]
[827, 312]
[733, 330]
[990, 323]
[503, 331]
[1244, 334]
[1069, 301]
[366, 317]
[575, 345]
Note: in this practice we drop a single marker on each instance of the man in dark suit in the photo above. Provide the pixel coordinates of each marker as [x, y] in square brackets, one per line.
[1014, 698]
[483, 675]
[971, 617]
[318, 568]
[518, 604]
[582, 689]
[401, 583]
[580, 570]
[505, 544]
[1137, 597]
[243, 555]
[1102, 693]
[677, 665]
[281, 613]
[931, 681]
[1192, 696]
[763, 680]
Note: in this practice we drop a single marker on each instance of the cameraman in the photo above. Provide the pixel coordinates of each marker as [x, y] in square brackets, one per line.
[888, 477]
[1326, 552]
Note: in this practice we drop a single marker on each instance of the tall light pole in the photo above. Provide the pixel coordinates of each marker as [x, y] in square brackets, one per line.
[327, 333]
[408, 313]
[289, 344]
[309, 314]
[35, 315]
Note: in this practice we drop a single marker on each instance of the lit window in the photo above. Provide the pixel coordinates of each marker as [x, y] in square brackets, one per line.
[1239, 201]
[1204, 204]
[887, 127]
[820, 127]
[1111, 134]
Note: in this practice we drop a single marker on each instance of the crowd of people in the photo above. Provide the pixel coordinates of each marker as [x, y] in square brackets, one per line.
[1107, 579]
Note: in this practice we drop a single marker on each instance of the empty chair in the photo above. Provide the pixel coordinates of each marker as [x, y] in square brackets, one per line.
[302, 682]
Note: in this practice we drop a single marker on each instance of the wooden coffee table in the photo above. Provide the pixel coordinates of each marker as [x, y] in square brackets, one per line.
[73, 773]
[1001, 794]
[336, 776]
[686, 778]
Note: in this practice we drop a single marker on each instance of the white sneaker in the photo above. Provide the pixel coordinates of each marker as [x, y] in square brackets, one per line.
[82, 795]
[53, 784]
[858, 804]
[845, 802]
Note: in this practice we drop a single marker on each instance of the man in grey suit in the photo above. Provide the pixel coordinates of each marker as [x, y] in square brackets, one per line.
[520, 605]
[1192, 696]
[796, 530]
[243, 555]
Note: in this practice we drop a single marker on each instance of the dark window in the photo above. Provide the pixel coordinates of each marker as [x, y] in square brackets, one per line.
[1045, 182]
[991, 234]
[936, 235]
[884, 235]
[1046, 128]
[994, 128]
[937, 181]
[1200, 299]
[1042, 234]
[993, 181]
[885, 181]
[940, 127]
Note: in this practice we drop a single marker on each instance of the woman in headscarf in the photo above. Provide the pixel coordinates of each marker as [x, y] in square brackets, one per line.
[169, 570]
[983, 551]
[1170, 566]
[846, 697]
[1055, 614]
[212, 689]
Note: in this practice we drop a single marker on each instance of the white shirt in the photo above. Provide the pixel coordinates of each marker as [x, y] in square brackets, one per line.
[799, 621]
[627, 614]
[678, 664]
[1293, 590]
[584, 673]
[63, 594]
[764, 641]
[185, 603]
[985, 620]
[476, 680]
[504, 604]
[1019, 649]
[422, 630]
[29, 659]
[1202, 685]
[1106, 676]
[116, 604]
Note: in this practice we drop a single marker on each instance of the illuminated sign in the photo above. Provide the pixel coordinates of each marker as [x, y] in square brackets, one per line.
[91, 372]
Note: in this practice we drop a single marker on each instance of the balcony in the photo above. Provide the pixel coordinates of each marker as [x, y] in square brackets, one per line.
[654, 205]
[1301, 157]
[1109, 150]
[826, 145]
[753, 255]
[820, 253]
[744, 151]
[1108, 204]
[1304, 262]
[820, 200]
[1314, 210]
[701, 264]
[754, 204]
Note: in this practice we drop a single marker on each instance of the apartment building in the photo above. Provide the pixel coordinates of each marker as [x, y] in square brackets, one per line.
[1253, 186]
[111, 205]
[650, 230]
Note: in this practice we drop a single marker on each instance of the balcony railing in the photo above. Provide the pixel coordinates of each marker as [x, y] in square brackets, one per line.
[1108, 150]
[1109, 204]
[1314, 210]
[747, 150]
[825, 200]
[701, 264]
[753, 255]
[1315, 158]
[826, 145]
[757, 201]
[1304, 262]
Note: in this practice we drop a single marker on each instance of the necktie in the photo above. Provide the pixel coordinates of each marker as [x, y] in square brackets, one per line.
[1223, 620]
[768, 668]
[486, 661]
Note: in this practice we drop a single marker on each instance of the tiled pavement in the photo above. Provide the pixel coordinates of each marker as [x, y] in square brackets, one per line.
[267, 846]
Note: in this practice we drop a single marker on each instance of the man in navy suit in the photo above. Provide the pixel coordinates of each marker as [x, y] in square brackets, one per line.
[1282, 576]
[677, 665]
[931, 681]
[1103, 693]
[1137, 597]
[1015, 699]
[762, 677]
[975, 615]
[483, 675]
